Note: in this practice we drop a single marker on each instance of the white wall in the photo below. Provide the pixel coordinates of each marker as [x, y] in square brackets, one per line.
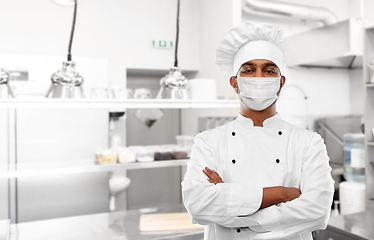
[327, 91]
[357, 93]
[117, 30]
[214, 24]
[217, 17]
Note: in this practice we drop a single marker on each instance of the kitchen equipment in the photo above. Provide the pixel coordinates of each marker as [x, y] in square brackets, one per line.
[352, 197]
[4, 229]
[118, 93]
[202, 88]
[117, 183]
[105, 156]
[371, 67]
[130, 93]
[149, 116]
[5, 90]
[66, 83]
[167, 222]
[354, 157]
[99, 93]
[335, 211]
[174, 85]
[127, 156]
[145, 154]
[142, 93]
[185, 140]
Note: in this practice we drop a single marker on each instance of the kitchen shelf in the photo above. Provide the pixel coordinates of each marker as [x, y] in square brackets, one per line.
[369, 113]
[114, 103]
[81, 166]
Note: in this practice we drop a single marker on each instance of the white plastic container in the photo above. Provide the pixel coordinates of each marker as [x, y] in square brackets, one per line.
[185, 140]
[354, 157]
[352, 197]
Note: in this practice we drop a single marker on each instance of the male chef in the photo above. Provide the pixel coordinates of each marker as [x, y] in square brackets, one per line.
[257, 177]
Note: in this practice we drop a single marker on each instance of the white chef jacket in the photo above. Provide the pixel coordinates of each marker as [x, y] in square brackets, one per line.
[249, 158]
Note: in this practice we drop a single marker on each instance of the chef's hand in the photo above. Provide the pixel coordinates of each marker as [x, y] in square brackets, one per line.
[278, 194]
[291, 193]
[213, 176]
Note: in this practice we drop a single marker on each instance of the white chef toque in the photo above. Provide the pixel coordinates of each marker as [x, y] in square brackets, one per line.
[249, 41]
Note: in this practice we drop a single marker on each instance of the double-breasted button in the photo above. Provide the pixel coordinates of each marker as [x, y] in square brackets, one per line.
[238, 230]
[280, 132]
[233, 133]
[233, 161]
[277, 161]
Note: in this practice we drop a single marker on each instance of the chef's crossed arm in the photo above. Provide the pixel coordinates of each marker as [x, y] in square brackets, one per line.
[270, 195]
[311, 210]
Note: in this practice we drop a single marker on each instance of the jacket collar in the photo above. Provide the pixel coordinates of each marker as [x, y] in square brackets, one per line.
[274, 122]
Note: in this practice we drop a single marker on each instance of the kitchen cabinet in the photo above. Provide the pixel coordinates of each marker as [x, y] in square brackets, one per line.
[369, 114]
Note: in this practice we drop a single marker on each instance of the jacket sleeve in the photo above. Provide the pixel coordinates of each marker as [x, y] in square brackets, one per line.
[222, 203]
[308, 212]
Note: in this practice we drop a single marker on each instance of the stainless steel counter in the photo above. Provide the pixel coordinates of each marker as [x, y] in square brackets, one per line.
[351, 226]
[122, 225]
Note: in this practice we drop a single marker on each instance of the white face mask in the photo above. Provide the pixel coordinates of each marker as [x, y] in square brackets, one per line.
[258, 93]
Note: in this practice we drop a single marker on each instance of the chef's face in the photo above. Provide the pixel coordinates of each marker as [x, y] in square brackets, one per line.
[258, 68]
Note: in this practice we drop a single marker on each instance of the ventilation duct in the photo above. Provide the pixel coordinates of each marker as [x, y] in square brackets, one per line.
[288, 10]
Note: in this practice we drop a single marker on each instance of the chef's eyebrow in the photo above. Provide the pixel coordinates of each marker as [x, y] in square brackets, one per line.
[268, 64]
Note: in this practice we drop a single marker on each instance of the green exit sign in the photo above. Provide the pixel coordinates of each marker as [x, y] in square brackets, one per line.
[162, 44]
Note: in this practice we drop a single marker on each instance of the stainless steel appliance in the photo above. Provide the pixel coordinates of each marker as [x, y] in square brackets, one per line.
[5, 90]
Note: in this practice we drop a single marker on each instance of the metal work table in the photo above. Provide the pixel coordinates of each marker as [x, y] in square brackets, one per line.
[122, 225]
[352, 226]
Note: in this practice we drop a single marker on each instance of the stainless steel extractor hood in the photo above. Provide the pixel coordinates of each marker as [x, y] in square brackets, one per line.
[339, 45]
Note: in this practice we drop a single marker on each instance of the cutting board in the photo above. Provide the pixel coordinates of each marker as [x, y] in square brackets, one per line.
[167, 222]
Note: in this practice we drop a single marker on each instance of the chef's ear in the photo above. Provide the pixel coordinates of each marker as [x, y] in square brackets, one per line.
[282, 82]
[234, 84]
